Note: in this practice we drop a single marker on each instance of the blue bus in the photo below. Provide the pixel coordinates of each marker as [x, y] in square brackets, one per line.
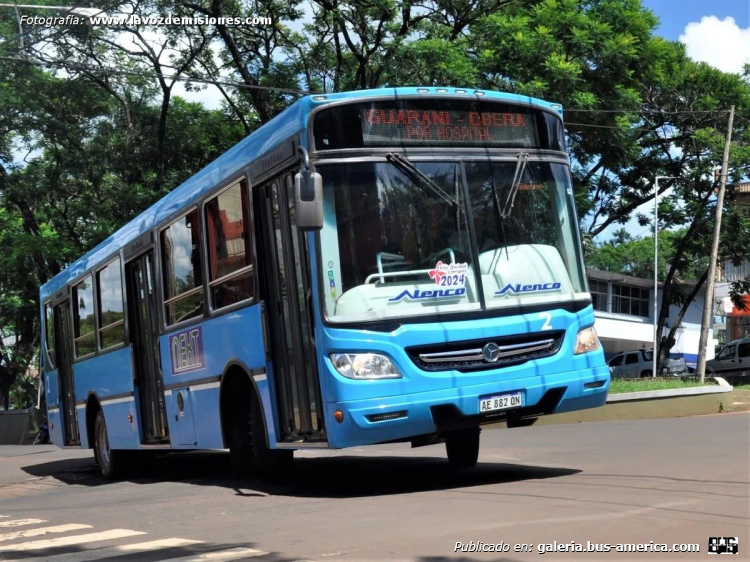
[393, 265]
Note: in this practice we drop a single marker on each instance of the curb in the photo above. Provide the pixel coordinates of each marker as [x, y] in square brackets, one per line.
[669, 393]
[655, 404]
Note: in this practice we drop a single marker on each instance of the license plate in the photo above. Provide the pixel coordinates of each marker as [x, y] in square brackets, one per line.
[500, 402]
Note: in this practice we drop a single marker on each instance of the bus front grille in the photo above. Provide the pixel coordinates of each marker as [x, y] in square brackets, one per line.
[489, 353]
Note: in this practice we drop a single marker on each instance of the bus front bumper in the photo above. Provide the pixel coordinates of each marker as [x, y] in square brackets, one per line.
[394, 418]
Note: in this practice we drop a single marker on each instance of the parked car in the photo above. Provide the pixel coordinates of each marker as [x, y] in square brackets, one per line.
[735, 356]
[640, 363]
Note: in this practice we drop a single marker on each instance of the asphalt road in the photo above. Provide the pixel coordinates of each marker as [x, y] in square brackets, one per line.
[668, 481]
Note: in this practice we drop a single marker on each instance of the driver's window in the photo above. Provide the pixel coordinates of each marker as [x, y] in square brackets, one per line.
[616, 361]
[727, 353]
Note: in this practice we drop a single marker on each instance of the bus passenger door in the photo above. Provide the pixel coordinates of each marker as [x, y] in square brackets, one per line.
[143, 324]
[286, 292]
[63, 341]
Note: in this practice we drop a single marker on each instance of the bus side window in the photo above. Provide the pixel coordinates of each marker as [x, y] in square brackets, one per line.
[111, 316]
[49, 330]
[182, 271]
[230, 251]
[84, 329]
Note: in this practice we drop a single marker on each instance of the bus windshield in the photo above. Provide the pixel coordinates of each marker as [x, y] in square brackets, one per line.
[404, 238]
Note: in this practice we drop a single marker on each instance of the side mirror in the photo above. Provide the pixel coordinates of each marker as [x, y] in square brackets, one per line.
[308, 200]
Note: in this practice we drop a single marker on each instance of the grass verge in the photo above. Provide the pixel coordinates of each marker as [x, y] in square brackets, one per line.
[619, 386]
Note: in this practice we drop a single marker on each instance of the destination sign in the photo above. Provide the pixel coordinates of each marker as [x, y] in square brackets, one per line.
[411, 127]
[437, 122]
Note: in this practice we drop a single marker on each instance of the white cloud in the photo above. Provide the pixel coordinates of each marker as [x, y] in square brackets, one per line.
[720, 43]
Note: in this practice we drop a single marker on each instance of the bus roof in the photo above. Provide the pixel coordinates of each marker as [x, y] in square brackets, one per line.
[287, 123]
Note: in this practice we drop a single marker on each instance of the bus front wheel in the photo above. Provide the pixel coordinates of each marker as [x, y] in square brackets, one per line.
[248, 445]
[269, 462]
[462, 446]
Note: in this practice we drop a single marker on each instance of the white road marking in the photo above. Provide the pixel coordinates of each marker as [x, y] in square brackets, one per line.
[67, 541]
[20, 522]
[42, 531]
[101, 553]
[220, 555]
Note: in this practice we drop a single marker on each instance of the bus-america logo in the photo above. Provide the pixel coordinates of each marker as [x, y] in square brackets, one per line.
[436, 294]
[535, 288]
[186, 351]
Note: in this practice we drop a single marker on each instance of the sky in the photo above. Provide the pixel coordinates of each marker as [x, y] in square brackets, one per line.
[713, 31]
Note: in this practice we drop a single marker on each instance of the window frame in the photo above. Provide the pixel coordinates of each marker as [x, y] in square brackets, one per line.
[597, 282]
[630, 298]
[729, 352]
[620, 356]
[97, 301]
[635, 354]
[210, 283]
[73, 309]
[162, 280]
[50, 356]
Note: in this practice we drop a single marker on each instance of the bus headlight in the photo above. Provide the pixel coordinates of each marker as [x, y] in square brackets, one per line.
[586, 341]
[364, 366]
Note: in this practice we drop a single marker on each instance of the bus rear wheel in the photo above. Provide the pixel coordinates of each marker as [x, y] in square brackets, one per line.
[112, 463]
[462, 446]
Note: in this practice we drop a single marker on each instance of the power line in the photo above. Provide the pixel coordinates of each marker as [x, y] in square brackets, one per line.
[656, 111]
[612, 127]
[115, 72]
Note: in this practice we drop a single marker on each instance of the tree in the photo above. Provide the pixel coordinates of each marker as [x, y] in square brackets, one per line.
[71, 173]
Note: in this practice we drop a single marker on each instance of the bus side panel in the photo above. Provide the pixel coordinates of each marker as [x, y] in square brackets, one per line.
[54, 416]
[205, 403]
[82, 434]
[121, 432]
[110, 377]
[237, 337]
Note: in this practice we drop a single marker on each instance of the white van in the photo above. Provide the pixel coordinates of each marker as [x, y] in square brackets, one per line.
[735, 356]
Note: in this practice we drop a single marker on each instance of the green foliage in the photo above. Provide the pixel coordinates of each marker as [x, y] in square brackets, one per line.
[83, 152]
[24, 392]
[635, 256]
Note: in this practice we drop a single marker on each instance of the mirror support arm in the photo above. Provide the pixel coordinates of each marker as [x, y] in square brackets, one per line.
[305, 158]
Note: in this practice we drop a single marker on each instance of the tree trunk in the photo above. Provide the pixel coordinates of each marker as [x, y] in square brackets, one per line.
[664, 350]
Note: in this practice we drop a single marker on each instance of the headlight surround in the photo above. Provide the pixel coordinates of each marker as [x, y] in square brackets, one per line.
[586, 341]
[364, 366]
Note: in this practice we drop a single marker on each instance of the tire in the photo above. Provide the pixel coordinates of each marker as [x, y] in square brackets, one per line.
[646, 374]
[241, 442]
[112, 463]
[462, 447]
[270, 463]
[248, 445]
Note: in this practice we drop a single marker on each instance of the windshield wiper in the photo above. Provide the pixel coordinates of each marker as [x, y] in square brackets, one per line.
[523, 158]
[419, 178]
[503, 213]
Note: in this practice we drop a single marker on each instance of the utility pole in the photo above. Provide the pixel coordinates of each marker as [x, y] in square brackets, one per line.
[708, 307]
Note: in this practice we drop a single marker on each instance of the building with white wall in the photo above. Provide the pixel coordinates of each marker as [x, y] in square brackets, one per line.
[623, 306]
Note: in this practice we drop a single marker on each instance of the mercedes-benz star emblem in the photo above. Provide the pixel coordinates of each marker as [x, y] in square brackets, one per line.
[491, 352]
